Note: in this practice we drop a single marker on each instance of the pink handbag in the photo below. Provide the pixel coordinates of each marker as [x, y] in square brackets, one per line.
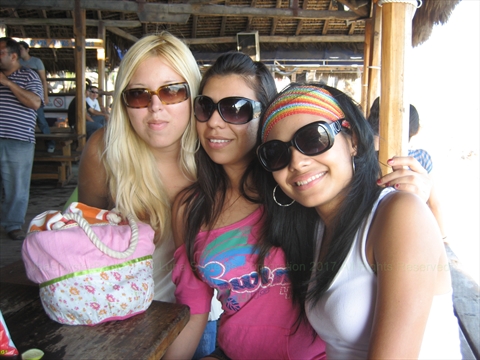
[92, 265]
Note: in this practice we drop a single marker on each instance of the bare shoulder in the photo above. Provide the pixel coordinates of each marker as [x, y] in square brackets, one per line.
[401, 203]
[95, 144]
[403, 223]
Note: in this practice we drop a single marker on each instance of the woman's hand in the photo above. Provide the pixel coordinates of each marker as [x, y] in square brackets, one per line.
[414, 179]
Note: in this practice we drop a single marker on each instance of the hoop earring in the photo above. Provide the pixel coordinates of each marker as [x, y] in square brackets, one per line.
[275, 199]
[353, 164]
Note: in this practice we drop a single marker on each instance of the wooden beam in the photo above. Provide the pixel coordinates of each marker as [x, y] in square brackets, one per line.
[68, 22]
[326, 24]
[22, 29]
[43, 14]
[280, 39]
[80, 30]
[300, 22]
[394, 107]
[165, 11]
[351, 31]
[223, 26]
[61, 43]
[367, 50]
[375, 57]
[194, 27]
[275, 20]
[253, 3]
[122, 33]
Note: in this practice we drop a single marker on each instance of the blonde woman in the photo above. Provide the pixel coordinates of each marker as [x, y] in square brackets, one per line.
[145, 155]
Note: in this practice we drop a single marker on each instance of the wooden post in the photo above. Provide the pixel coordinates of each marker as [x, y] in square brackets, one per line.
[101, 62]
[80, 30]
[394, 109]
[366, 66]
[375, 57]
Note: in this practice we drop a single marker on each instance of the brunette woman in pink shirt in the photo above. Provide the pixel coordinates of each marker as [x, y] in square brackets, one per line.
[219, 229]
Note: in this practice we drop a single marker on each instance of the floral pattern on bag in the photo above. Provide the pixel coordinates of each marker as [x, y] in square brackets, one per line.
[98, 295]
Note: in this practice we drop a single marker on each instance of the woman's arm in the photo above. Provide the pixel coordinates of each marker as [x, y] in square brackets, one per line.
[404, 244]
[187, 341]
[92, 176]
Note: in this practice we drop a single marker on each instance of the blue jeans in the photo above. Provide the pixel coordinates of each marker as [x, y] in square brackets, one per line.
[16, 160]
[100, 119]
[91, 127]
[43, 125]
[207, 341]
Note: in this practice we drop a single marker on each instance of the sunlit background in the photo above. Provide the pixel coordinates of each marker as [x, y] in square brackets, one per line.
[445, 89]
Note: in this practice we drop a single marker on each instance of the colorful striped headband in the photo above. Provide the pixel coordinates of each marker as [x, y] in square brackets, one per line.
[305, 99]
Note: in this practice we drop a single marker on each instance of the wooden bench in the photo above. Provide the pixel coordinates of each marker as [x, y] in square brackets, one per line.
[55, 165]
[466, 302]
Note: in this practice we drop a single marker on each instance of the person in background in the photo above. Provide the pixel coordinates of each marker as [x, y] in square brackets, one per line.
[422, 156]
[380, 286]
[219, 227]
[145, 155]
[90, 125]
[21, 94]
[97, 113]
[36, 64]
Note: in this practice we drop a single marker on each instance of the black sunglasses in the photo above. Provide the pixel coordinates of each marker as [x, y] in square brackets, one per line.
[312, 139]
[233, 110]
[168, 94]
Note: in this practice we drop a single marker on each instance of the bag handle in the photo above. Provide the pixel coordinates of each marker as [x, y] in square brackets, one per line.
[99, 244]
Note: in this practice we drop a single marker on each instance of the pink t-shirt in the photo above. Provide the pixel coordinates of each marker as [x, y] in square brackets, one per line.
[259, 319]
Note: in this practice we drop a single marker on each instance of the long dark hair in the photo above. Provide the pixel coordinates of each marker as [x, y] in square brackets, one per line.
[361, 195]
[205, 199]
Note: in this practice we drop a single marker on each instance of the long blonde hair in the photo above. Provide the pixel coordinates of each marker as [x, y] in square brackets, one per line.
[132, 172]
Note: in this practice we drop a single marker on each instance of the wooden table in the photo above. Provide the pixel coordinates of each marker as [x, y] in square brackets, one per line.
[55, 165]
[144, 336]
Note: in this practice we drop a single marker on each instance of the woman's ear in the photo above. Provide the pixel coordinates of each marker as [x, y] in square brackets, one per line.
[352, 140]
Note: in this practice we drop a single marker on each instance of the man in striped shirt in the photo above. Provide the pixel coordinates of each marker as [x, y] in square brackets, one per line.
[21, 94]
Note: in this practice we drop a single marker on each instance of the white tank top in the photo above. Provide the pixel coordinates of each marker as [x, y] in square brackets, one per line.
[344, 315]
[162, 271]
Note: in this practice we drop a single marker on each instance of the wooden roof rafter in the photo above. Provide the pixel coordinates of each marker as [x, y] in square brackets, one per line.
[170, 13]
[253, 3]
[300, 22]
[22, 29]
[275, 20]
[207, 26]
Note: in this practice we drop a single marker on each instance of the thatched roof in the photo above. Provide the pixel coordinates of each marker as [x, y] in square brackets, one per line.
[429, 14]
[326, 33]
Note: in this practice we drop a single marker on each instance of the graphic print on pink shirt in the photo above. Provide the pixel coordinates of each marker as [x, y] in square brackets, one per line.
[226, 264]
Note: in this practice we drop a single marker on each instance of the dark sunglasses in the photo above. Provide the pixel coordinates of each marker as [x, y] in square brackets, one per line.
[168, 94]
[94, 92]
[312, 139]
[233, 110]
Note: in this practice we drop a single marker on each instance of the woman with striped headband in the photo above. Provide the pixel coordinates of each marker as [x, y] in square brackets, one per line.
[380, 285]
